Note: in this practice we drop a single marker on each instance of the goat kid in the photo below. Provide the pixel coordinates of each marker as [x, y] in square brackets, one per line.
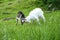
[20, 17]
[35, 14]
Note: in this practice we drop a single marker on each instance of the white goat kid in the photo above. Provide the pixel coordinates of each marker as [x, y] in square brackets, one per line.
[35, 14]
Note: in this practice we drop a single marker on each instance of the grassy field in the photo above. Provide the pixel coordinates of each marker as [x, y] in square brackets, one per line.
[50, 30]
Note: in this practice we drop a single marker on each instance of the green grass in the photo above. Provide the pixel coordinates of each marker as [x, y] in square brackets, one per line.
[50, 30]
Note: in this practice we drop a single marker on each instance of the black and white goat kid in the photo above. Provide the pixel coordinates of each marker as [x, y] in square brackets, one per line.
[20, 17]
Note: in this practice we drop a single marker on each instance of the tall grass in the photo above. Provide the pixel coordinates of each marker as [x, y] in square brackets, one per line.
[50, 30]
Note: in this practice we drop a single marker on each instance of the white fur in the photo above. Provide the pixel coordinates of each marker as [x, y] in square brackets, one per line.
[35, 14]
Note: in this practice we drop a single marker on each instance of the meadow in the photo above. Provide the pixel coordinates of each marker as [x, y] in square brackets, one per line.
[50, 30]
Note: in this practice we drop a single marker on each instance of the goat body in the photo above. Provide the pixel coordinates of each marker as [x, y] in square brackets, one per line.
[35, 14]
[20, 17]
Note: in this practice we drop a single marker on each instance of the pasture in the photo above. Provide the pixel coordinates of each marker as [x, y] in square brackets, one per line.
[50, 30]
